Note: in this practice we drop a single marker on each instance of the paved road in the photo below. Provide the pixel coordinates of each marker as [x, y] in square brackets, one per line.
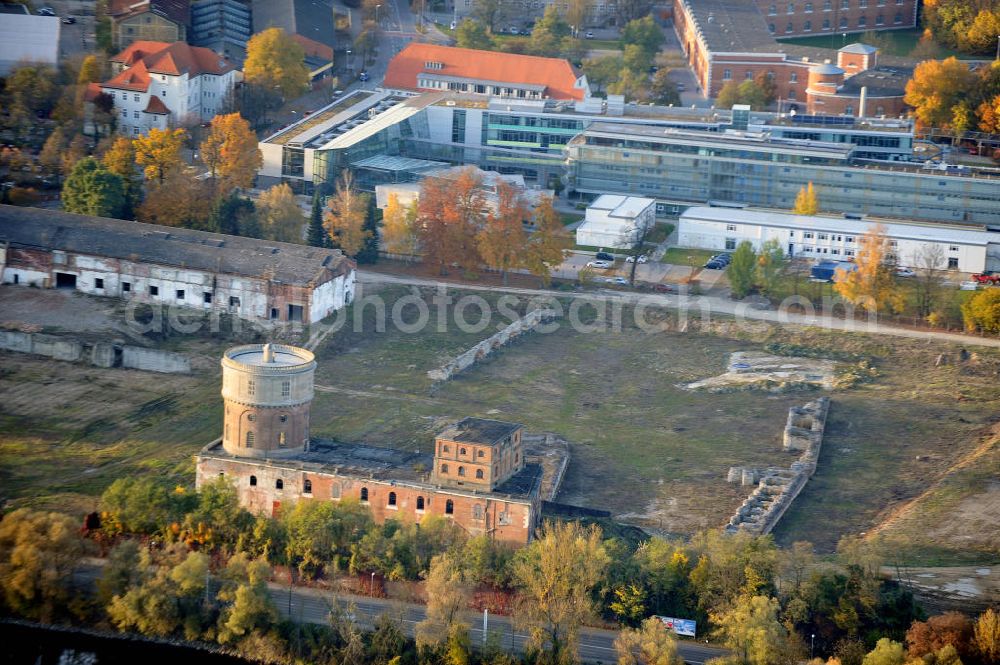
[312, 606]
[703, 306]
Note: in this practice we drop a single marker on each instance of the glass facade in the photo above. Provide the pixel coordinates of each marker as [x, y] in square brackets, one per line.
[712, 172]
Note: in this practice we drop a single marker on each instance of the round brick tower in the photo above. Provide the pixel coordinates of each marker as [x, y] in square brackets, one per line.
[267, 390]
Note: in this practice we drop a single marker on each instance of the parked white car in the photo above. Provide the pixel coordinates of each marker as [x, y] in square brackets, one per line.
[643, 258]
[600, 265]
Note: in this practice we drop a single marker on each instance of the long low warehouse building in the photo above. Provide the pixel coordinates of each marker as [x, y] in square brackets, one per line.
[258, 280]
[827, 237]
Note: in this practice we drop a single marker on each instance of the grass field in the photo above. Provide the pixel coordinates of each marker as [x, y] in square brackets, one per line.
[680, 256]
[653, 453]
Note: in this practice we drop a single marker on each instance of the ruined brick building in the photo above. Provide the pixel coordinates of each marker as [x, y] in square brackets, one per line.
[258, 280]
[477, 475]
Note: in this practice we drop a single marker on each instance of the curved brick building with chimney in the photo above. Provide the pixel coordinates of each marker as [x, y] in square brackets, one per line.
[477, 475]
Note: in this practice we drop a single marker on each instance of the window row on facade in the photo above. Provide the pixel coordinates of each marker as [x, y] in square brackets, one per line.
[827, 5]
[843, 24]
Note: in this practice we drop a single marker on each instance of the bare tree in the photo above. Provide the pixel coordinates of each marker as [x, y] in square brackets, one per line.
[928, 261]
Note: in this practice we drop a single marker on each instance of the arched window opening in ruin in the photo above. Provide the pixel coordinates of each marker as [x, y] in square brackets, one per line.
[364, 493]
[279, 484]
[283, 419]
[449, 507]
[420, 503]
[480, 454]
[249, 439]
[461, 451]
[307, 486]
[253, 481]
[444, 448]
[392, 498]
[444, 468]
[281, 439]
[479, 474]
[461, 470]
[477, 512]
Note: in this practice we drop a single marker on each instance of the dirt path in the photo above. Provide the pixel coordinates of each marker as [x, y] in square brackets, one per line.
[701, 306]
[964, 588]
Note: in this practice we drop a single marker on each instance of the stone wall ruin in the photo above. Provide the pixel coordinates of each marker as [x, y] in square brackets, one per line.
[777, 488]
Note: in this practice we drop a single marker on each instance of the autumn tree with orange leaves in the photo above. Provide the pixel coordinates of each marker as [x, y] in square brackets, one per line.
[937, 88]
[159, 152]
[230, 152]
[449, 217]
[501, 240]
[873, 284]
[345, 216]
[549, 245]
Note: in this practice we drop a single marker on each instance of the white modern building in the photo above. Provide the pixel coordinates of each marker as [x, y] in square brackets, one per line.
[162, 85]
[615, 222]
[822, 237]
[26, 37]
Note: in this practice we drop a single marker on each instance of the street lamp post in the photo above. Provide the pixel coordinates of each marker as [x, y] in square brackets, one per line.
[376, 15]
[812, 644]
[371, 589]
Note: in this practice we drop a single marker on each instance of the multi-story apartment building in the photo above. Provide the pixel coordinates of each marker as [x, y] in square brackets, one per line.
[167, 85]
[224, 26]
[148, 20]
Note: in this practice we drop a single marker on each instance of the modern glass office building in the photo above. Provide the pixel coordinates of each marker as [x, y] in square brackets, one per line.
[682, 167]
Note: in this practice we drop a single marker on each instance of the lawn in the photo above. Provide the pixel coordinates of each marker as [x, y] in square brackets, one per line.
[654, 454]
[896, 42]
[681, 256]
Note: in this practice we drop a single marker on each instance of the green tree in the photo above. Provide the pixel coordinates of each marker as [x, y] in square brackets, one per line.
[149, 608]
[369, 250]
[316, 235]
[731, 565]
[663, 90]
[276, 61]
[120, 160]
[231, 214]
[665, 567]
[473, 34]
[771, 263]
[92, 190]
[248, 607]
[490, 13]
[602, 71]
[886, 652]
[321, 534]
[38, 553]
[742, 269]
[548, 33]
[752, 630]
[121, 571]
[629, 603]
[637, 59]
[643, 33]
[556, 576]
[729, 95]
[448, 596]
[137, 505]
[650, 644]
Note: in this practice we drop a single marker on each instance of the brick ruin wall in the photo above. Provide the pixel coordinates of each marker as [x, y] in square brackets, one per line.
[467, 359]
[99, 354]
[777, 488]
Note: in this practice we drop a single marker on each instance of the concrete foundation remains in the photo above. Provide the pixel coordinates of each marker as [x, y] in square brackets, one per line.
[752, 370]
[778, 488]
[101, 354]
[152, 360]
[467, 359]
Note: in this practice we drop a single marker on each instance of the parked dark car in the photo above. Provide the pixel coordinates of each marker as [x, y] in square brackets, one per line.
[605, 256]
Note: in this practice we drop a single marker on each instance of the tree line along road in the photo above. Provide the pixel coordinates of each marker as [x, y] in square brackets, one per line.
[596, 645]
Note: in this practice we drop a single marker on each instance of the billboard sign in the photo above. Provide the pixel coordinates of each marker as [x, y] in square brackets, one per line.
[679, 626]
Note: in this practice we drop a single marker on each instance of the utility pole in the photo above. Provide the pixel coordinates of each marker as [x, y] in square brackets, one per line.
[486, 620]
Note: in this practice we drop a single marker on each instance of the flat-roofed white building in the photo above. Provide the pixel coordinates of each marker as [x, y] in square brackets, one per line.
[615, 222]
[828, 237]
[27, 38]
